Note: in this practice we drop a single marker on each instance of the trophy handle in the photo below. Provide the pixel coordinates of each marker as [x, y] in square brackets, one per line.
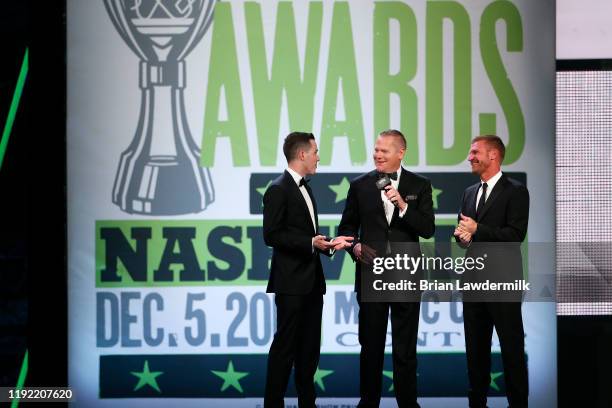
[204, 20]
[115, 11]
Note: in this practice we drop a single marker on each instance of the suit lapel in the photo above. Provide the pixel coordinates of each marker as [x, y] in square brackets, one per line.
[499, 187]
[314, 207]
[380, 207]
[470, 201]
[402, 188]
[295, 190]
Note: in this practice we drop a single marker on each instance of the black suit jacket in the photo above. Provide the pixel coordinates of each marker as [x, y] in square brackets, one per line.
[364, 215]
[288, 229]
[502, 226]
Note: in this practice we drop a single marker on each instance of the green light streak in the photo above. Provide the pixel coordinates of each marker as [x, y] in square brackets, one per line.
[22, 376]
[14, 105]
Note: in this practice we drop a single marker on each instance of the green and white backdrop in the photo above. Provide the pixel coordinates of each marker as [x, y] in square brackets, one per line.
[176, 114]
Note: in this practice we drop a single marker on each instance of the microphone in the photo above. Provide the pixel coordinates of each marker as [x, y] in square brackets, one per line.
[383, 181]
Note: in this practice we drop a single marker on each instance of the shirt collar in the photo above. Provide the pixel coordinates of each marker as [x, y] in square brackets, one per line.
[295, 175]
[492, 181]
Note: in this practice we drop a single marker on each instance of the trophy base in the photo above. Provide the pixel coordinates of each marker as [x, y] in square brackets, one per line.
[164, 185]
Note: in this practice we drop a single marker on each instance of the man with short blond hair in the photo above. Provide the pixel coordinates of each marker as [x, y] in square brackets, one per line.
[401, 212]
[494, 210]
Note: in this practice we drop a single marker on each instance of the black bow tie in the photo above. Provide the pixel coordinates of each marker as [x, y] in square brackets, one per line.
[392, 176]
[304, 182]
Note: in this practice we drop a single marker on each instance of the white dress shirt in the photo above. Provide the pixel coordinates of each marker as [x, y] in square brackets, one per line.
[297, 178]
[490, 184]
[388, 205]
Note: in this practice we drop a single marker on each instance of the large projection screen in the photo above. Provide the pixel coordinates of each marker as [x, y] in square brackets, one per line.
[584, 192]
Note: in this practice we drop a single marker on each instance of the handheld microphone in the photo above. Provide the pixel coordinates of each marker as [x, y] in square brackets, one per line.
[383, 182]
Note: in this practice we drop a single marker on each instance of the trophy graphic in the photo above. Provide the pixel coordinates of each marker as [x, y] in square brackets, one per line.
[159, 172]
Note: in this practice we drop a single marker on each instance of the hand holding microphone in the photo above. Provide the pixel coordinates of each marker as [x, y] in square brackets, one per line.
[394, 196]
[384, 183]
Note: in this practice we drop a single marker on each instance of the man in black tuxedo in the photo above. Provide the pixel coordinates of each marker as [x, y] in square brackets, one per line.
[401, 212]
[290, 227]
[493, 218]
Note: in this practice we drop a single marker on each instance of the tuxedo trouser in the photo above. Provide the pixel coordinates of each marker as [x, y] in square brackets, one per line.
[297, 342]
[479, 318]
[373, 318]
